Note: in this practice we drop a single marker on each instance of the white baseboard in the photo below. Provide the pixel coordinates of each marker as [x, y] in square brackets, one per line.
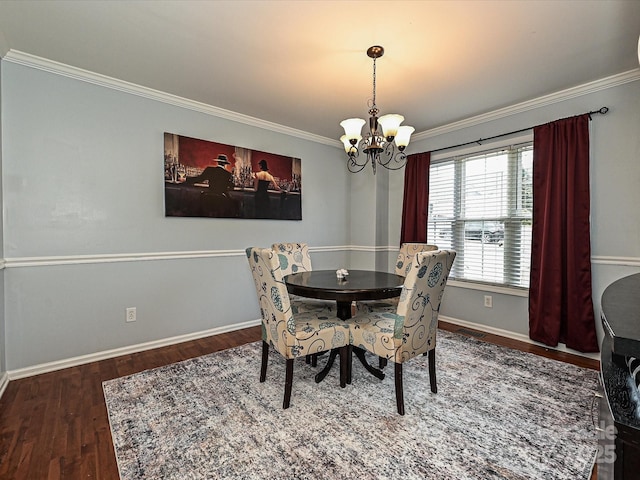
[116, 352]
[94, 357]
[515, 336]
[4, 381]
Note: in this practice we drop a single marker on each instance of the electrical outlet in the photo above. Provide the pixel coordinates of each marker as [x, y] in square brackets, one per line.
[130, 315]
[488, 301]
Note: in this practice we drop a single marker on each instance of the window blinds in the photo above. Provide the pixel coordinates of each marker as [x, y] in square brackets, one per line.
[480, 205]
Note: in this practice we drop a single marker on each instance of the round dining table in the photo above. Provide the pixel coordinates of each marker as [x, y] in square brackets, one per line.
[358, 285]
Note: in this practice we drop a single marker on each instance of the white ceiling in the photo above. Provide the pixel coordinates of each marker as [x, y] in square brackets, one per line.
[303, 64]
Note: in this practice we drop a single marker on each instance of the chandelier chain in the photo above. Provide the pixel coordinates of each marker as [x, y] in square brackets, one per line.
[374, 82]
[374, 108]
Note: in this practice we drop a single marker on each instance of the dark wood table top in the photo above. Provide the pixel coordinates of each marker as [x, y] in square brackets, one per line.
[358, 285]
[621, 315]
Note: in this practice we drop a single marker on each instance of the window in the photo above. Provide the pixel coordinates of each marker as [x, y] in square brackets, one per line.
[480, 205]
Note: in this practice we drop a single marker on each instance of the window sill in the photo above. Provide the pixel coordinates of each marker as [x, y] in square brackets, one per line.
[516, 292]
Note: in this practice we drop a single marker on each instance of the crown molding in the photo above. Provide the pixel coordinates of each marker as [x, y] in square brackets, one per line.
[57, 68]
[561, 96]
[33, 61]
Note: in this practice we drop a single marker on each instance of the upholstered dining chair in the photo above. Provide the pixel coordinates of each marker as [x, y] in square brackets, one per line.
[294, 258]
[411, 330]
[407, 253]
[291, 335]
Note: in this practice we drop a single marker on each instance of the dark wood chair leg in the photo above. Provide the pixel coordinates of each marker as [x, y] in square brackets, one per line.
[265, 357]
[399, 391]
[314, 360]
[344, 362]
[382, 362]
[288, 383]
[432, 370]
[307, 359]
[349, 363]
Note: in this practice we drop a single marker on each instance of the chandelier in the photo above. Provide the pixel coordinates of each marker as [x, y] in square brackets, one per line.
[377, 145]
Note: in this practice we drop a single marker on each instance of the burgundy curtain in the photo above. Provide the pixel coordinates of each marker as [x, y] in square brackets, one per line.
[560, 303]
[416, 198]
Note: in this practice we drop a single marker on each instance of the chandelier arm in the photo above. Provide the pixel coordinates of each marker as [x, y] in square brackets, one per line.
[389, 152]
[399, 158]
[355, 167]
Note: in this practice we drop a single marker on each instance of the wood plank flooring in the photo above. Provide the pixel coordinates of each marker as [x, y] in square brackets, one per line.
[55, 425]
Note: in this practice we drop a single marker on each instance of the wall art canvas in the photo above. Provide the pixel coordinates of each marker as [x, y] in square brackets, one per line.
[209, 179]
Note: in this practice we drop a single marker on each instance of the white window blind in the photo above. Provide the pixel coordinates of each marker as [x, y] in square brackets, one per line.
[480, 205]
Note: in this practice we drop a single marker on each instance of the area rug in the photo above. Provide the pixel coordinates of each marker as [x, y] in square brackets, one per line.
[498, 414]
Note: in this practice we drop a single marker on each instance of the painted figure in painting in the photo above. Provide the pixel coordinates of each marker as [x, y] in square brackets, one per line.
[216, 201]
[219, 179]
[261, 185]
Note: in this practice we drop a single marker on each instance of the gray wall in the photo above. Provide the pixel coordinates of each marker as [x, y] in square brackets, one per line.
[85, 235]
[3, 363]
[85, 231]
[615, 194]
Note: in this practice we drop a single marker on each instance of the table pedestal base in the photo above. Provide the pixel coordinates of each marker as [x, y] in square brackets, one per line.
[344, 313]
[372, 370]
[323, 373]
[360, 354]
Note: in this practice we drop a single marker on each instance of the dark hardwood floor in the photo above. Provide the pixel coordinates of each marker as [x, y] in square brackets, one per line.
[55, 425]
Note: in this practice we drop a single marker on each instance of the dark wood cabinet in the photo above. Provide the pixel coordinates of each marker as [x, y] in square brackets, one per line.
[619, 422]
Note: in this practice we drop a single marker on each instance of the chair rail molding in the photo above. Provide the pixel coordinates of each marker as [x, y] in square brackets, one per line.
[21, 262]
[621, 261]
[18, 262]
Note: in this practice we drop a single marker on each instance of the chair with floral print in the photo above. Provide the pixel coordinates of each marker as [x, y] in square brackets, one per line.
[407, 253]
[291, 335]
[410, 330]
[294, 258]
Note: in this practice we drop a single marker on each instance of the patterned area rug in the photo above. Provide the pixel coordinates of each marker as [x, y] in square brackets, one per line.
[498, 414]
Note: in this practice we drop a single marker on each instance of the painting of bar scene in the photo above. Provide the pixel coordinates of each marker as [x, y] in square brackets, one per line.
[209, 179]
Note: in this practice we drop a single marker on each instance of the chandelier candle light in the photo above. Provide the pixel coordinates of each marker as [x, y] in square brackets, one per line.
[378, 147]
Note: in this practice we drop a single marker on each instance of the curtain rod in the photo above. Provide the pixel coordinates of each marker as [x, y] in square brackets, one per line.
[601, 111]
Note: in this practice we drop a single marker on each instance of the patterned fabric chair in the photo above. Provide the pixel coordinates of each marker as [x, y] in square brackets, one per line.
[411, 330]
[293, 258]
[407, 253]
[291, 335]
